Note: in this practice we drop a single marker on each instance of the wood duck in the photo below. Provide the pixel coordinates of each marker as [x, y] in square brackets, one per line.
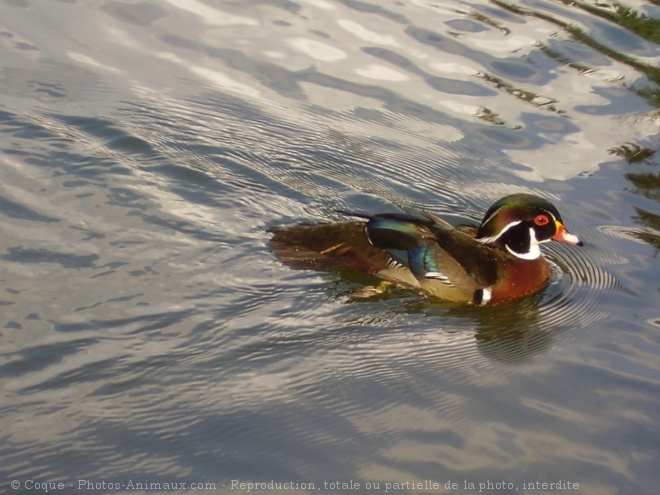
[497, 261]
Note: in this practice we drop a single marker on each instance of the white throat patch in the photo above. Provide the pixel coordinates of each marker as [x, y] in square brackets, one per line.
[534, 250]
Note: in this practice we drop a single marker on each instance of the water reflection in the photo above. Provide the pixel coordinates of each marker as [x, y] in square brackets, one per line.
[510, 334]
[647, 184]
[625, 44]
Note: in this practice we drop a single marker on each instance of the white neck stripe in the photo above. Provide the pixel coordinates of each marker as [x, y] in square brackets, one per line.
[491, 216]
[493, 238]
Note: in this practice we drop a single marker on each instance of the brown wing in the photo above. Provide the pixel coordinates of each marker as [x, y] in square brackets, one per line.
[479, 262]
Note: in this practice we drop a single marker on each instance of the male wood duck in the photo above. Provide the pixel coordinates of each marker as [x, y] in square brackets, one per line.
[497, 261]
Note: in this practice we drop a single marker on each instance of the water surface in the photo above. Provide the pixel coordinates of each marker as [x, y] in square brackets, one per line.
[149, 336]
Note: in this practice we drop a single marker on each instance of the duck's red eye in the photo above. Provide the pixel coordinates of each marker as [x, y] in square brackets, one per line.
[541, 220]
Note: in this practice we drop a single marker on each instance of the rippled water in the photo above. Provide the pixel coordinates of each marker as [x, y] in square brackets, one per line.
[150, 336]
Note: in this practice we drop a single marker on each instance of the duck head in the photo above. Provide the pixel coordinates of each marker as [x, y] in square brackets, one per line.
[519, 223]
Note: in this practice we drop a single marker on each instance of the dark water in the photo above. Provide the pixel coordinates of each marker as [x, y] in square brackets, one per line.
[148, 334]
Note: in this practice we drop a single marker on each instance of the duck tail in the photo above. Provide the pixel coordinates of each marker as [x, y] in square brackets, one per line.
[327, 247]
